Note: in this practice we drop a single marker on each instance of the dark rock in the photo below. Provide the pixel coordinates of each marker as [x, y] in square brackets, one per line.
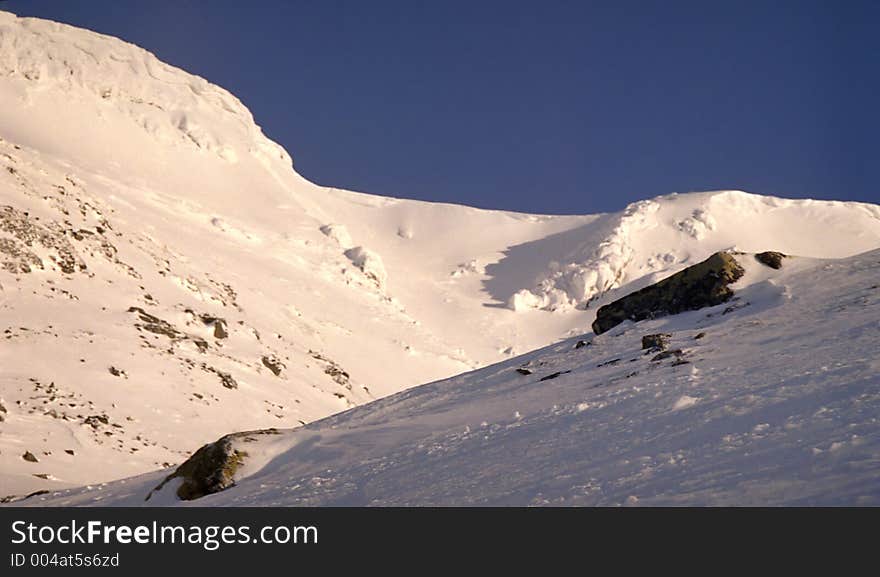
[733, 308]
[606, 363]
[36, 493]
[116, 372]
[227, 381]
[29, 457]
[201, 344]
[332, 369]
[273, 364]
[96, 421]
[702, 285]
[698, 336]
[337, 374]
[69, 452]
[553, 375]
[524, 371]
[771, 259]
[581, 344]
[657, 341]
[22, 234]
[220, 330]
[677, 353]
[212, 468]
[155, 325]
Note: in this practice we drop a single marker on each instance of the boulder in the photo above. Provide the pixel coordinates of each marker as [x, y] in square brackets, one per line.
[220, 331]
[212, 468]
[272, 363]
[701, 285]
[770, 258]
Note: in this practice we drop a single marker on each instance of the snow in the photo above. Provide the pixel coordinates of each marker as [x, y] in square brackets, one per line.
[338, 233]
[754, 425]
[133, 190]
[684, 402]
[369, 263]
[686, 228]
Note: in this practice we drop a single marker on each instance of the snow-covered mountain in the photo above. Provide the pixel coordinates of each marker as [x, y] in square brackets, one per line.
[771, 399]
[166, 277]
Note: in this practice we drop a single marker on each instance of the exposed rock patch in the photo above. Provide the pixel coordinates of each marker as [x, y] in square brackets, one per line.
[220, 328]
[552, 376]
[96, 421]
[274, 364]
[771, 258]
[212, 468]
[677, 353]
[117, 372]
[702, 285]
[370, 263]
[155, 325]
[24, 238]
[332, 369]
[657, 341]
[226, 379]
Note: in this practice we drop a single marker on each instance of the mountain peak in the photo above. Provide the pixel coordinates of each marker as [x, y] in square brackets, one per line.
[125, 86]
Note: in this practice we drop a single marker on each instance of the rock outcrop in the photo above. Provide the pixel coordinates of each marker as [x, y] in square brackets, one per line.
[702, 285]
[274, 364]
[212, 468]
[771, 258]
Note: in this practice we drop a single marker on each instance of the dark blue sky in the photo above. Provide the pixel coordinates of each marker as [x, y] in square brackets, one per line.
[544, 106]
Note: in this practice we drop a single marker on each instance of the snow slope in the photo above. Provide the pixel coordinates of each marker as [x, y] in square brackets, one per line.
[773, 401]
[167, 277]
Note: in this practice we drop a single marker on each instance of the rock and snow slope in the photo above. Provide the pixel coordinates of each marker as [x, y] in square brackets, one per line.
[167, 277]
[769, 399]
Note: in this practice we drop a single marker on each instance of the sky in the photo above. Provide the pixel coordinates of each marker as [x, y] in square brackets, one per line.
[543, 106]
